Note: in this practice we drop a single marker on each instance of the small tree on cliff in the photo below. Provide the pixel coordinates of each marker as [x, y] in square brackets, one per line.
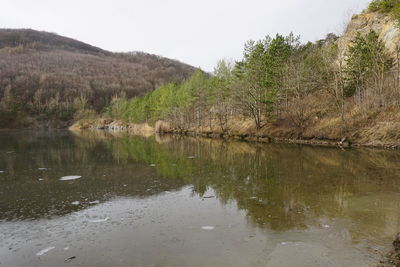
[366, 60]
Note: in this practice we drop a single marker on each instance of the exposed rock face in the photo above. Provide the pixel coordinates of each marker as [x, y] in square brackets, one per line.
[383, 24]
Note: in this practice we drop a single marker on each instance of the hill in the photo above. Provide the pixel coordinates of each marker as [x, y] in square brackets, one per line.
[43, 40]
[48, 76]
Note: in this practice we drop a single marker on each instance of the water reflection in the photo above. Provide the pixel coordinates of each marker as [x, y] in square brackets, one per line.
[34, 162]
[282, 187]
[278, 187]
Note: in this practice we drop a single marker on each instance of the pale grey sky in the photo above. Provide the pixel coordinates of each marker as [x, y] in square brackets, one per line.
[196, 32]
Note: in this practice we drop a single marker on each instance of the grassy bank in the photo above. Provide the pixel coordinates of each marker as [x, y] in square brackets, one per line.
[381, 134]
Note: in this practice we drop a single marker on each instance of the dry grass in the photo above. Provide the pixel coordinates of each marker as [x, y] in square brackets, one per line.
[385, 133]
[363, 126]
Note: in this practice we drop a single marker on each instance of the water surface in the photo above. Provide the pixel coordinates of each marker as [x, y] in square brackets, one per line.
[101, 200]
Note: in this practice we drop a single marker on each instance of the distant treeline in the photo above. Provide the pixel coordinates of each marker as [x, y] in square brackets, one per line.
[44, 74]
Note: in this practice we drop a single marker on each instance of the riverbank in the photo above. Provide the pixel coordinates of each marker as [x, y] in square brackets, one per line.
[28, 122]
[393, 257]
[380, 135]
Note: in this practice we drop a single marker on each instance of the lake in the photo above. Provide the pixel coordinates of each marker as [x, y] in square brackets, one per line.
[98, 199]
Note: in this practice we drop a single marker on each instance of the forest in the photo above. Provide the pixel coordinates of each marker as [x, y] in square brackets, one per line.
[45, 76]
[281, 87]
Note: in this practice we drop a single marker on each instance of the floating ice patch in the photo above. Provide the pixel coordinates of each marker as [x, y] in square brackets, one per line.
[100, 220]
[68, 178]
[208, 228]
[41, 179]
[66, 248]
[44, 251]
[75, 203]
[2, 171]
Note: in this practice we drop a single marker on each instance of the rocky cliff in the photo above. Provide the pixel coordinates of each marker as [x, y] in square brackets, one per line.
[382, 23]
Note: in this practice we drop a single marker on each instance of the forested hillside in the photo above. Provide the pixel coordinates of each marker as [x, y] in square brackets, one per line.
[47, 77]
[340, 88]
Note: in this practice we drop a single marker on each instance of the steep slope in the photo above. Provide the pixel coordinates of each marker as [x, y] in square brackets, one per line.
[46, 75]
[383, 24]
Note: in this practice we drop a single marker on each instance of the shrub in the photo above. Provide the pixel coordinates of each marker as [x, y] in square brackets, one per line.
[383, 5]
[386, 6]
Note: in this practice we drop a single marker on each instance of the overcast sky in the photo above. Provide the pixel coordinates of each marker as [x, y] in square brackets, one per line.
[196, 32]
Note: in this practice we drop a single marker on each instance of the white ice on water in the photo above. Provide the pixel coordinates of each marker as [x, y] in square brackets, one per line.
[44, 251]
[100, 220]
[209, 228]
[71, 177]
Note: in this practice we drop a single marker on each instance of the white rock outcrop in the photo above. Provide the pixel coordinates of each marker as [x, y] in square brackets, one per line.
[383, 24]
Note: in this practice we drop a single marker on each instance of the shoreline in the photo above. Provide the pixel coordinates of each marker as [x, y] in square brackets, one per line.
[393, 257]
[162, 128]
